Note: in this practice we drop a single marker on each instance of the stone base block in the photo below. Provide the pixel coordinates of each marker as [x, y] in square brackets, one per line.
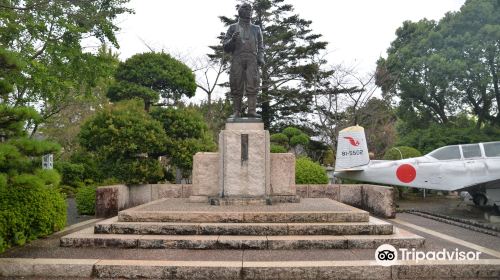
[198, 199]
[206, 174]
[244, 162]
[283, 174]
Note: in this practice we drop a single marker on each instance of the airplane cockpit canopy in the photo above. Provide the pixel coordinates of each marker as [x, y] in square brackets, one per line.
[492, 149]
[446, 153]
[469, 151]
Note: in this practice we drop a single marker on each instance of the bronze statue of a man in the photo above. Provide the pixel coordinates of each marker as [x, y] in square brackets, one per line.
[244, 42]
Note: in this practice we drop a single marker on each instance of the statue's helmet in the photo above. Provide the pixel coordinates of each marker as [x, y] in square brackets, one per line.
[245, 10]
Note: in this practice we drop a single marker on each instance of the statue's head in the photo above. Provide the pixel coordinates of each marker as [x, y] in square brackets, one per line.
[245, 11]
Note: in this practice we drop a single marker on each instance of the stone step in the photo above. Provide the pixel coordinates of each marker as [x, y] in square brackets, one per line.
[86, 238]
[45, 268]
[373, 226]
[309, 210]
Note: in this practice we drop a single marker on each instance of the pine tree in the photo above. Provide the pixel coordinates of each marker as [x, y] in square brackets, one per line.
[30, 202]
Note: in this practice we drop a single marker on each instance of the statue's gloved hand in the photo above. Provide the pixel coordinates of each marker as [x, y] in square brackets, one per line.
[260, 61]
[235, 37]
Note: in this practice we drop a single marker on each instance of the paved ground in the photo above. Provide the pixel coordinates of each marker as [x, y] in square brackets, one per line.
[478, 238]
[450, 206]
[306, 204]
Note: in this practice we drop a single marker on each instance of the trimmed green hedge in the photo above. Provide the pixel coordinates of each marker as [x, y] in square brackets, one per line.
[278, 149]
[29, 210]
[309, 172]
[85, 200]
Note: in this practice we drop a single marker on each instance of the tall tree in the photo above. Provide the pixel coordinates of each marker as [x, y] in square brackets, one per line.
[290, 46]
[150, 77]
[437, 70]
[64, 126]
[48, 36]
[30, 202]
[417, 74]
[379, 121]
[472, 42]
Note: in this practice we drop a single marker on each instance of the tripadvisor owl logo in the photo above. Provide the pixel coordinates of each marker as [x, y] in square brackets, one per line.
[386, 255]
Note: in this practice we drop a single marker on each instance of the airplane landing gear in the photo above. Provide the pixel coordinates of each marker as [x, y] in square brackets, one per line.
[479, 200]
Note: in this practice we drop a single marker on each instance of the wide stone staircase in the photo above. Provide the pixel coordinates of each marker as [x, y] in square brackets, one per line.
[314, 223]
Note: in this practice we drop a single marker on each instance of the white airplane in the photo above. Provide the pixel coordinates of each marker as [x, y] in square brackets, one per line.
[470, 167]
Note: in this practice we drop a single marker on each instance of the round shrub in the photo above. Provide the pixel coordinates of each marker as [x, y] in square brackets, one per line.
[278, 149]
[85, 200]
[72, 173]
[309, 172]
[28, 210]
[407, 152]
[291, 131]
[126, 141]
[300, 139]
[279, 138]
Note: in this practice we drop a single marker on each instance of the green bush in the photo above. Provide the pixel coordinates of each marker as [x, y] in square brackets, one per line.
[406, 152]
[278, 149]
[436, 136]
[68, 190]
[186, 133]
[279, 138]
[29, 210]
[300, 139]
[85, 200]
[72, 173]
[289, 139]
[291, 131]
[136, 170]
[309, 172]
[125, 141]
[329, 158]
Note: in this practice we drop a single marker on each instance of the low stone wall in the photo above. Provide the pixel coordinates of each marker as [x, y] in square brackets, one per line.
[111, 199]
[378, 200]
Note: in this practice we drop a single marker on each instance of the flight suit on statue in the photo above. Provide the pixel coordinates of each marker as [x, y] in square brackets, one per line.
[244, 41]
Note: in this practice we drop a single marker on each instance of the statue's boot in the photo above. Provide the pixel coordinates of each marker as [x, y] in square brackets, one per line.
[236, 107]
[252, 106]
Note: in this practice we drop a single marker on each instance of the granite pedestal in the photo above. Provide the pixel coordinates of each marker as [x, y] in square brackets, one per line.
[244, 171]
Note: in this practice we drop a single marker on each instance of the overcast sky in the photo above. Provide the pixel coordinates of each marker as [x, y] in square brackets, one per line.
[358, 31]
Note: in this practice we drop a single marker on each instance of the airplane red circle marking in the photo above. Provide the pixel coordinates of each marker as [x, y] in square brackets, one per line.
[406, 173]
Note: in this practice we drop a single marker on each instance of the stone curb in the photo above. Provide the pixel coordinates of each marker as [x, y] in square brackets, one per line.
[463, 223]
[362, 269]
[79, 225]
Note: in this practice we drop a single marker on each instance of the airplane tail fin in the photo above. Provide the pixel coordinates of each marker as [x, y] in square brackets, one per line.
[352, 150]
